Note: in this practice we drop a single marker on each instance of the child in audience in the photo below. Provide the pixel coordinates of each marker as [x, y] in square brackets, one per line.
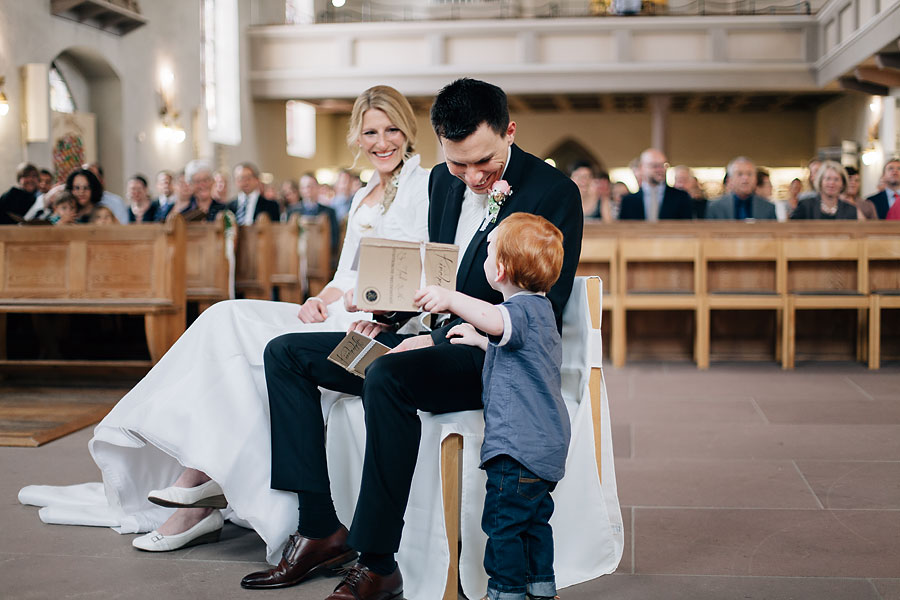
[526, 425]
[101, 215]
[65, 207]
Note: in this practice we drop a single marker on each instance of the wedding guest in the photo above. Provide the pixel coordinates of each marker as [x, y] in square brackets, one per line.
[165, 192]
[310, 206]
[103, 215]
[19, 198]
[655, 200]
[526, 424]
[113, 201]
[343, 194]
[198, 174]
[65, 208]
[86, 188]
[182, 198]
[250, 203]
[142, 209]
[220, 186]
[289, 198]
[741, 202]
[45, 181]
[885, 200]
[582, 174]
[601, 189]
[830, 182]
[812, 168]
[865, 209]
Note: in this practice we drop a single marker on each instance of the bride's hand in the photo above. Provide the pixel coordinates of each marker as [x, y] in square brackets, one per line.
[349, 304]
[313, 311]
[367, 328]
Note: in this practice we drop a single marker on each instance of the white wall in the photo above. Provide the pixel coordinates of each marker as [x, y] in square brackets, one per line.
[171, 38]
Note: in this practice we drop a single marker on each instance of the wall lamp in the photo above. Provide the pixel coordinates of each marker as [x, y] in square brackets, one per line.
[4, 103]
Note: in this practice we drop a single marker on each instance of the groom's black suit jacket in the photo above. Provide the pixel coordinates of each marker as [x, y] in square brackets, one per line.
[537, 188]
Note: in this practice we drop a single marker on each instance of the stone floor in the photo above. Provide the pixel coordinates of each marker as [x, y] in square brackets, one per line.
[740, 482]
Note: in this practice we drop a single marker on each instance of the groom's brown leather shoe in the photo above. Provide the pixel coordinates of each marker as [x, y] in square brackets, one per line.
[359, 583]
[302, 559]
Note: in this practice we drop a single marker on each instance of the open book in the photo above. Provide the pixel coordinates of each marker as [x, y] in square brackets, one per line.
[356, 352]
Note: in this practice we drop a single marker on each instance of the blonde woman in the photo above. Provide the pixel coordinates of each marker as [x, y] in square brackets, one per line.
[195, 430]
[830, 182]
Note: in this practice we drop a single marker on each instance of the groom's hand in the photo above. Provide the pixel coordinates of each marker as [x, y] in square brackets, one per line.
[367, 328]
[413, 343]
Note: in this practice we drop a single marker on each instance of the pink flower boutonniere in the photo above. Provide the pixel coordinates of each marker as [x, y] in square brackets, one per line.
[497, 197]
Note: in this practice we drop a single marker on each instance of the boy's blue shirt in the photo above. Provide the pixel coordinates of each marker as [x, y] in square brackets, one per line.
[524, 413]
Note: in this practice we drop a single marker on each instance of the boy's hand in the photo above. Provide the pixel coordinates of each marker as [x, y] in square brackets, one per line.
[467, 335]
[433, 299]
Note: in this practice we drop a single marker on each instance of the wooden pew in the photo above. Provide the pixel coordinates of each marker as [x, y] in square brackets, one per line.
[255, 253]
[317, 245]
[883, 270]
[207, 268]
[286, 261]
[91, 269]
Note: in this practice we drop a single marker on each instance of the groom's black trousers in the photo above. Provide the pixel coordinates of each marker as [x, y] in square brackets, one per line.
[439, 379]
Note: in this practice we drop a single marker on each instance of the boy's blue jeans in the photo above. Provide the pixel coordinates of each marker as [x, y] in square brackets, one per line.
[519, 553]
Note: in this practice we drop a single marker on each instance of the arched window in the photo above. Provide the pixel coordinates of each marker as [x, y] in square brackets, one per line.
[60, 96]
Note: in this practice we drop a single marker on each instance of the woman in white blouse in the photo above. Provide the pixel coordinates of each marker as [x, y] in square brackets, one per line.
[198, 422]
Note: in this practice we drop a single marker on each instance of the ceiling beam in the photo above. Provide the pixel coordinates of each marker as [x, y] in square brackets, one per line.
[871, 74]
[851, 83]
[517, 104]
[562, 103]
[887, 61]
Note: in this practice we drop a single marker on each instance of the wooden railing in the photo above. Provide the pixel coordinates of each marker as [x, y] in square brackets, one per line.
[672, 288]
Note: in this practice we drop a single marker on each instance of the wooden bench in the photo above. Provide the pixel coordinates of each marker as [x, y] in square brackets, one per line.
[286, 261]
[317, 246]
[207, 267]
[91, 269]
[254, 260]
[883, 272]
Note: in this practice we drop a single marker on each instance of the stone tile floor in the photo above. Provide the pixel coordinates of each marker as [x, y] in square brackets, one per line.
[740, 482]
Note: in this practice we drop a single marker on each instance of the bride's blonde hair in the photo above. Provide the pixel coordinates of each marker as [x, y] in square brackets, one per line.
[394, 105]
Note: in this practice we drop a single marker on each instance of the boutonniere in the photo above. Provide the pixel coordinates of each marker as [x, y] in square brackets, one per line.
[497, 197]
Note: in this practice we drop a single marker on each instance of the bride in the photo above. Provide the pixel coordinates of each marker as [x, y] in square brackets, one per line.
[195, 430]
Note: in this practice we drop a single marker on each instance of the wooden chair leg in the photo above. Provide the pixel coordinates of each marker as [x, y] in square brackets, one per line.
[451, 448]
[779, 334]
[862, 348]
[2, 336]
[162, 331]
[787, 353]
[874, 332]
[701, 341]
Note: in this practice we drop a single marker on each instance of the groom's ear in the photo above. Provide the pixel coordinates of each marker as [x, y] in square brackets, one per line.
[511, 132]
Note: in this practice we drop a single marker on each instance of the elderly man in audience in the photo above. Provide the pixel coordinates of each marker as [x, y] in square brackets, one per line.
[655, 200]
[112, 201]
[142, 209]
[165, 193]
[250, 203]
[19, 198]
[740, 201]
[885, 201]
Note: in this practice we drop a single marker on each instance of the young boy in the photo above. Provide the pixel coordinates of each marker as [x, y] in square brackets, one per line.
[526, 425]
[65, 207]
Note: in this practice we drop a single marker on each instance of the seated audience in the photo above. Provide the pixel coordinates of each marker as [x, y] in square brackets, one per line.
[885, 200]
[655, 200]
[582, 174]
[619, 191]
[42, 207]
[763, 184]
[601, 189]
[142, 209]
[88, 192]
[310, 206]
[19, 198]
[683, 179]
[343, 194]
[813, 168]
[65, 207]
[199, 175]
[165, 193]
[831, 181]
[250, 203]
[113, 201]
[865, 209]
[182, 200]
[740, 200]
[220, 186]
[103, 215]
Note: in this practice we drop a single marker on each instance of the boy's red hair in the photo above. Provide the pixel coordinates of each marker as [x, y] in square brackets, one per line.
[531, 251]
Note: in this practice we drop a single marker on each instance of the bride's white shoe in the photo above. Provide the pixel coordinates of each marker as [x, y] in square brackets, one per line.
[207, 530]
[205, 495]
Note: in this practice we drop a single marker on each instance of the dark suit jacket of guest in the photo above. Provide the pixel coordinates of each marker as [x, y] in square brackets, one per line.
[270, 207]
[332, 221]
[537, 188]
[723, 208]
[810, 208]
[16, 201]
[676, 204]
[880, 200]
[150, 216]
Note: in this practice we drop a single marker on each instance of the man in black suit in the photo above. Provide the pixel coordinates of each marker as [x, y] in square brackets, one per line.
[423, 372]
[885, 199]
[655, 200]
[19, 198]
[249, 204]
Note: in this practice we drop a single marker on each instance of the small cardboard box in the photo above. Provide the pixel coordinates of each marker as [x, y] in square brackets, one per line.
[356, 352]
[390, 272]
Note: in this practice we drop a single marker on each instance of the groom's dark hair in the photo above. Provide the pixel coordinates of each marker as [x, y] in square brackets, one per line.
[461, 107]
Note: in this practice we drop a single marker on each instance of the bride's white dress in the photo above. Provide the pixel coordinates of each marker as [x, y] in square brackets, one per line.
[205, 406]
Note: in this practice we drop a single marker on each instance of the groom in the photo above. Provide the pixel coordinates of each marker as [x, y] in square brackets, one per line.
[423, 372]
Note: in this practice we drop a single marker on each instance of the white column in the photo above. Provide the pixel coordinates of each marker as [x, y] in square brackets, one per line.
[888, 131]
[659, 125]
